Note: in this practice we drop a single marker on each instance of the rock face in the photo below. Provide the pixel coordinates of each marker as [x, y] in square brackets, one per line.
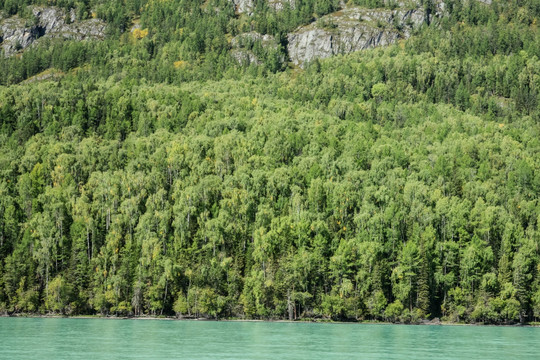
[247, 48]
[244, 6]
[47, 22]
[280, 4]
[351, 29]
[248, 6]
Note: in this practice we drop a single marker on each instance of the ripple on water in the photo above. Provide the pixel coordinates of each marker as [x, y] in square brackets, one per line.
[58, 338]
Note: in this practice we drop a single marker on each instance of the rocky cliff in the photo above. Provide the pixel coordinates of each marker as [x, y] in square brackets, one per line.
[247, 47]
[356, 28]
[351, 29]
[46, 22]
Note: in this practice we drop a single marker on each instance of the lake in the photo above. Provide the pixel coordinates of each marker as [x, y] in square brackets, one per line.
[60, 338]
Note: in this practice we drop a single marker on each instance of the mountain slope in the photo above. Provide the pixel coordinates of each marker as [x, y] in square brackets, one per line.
[398, 183]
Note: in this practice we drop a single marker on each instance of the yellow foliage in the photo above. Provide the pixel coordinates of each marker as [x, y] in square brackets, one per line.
[94, 15]
[180, 64]
[140, 34]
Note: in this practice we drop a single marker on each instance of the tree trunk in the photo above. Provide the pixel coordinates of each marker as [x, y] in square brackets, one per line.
[290, 306]
[164, 297]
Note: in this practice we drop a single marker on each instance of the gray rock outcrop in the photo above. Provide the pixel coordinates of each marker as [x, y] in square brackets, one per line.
[47, 22]
[248, 6]
[243, 6]
[278, 5]
[351, 29]
[246, 48]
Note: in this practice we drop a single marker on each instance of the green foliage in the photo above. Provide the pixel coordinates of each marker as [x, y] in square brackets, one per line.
[393, 311]
[58, 294]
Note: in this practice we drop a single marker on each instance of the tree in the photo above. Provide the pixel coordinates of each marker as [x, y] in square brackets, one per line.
[405, 274]
[58, 296]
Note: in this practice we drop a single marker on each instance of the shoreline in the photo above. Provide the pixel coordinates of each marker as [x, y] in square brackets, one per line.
[299, 321]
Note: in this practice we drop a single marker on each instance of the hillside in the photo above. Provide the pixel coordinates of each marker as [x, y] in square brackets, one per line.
[184, 163]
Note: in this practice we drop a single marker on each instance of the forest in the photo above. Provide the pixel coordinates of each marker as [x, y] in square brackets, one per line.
[155, 175]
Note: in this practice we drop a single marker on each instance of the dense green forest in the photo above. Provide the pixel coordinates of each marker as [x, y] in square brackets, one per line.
[155, 175]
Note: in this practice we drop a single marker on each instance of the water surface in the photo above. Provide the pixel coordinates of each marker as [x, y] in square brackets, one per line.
[58, 338]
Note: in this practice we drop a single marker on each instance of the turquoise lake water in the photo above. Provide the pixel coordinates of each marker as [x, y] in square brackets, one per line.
[50, 338]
